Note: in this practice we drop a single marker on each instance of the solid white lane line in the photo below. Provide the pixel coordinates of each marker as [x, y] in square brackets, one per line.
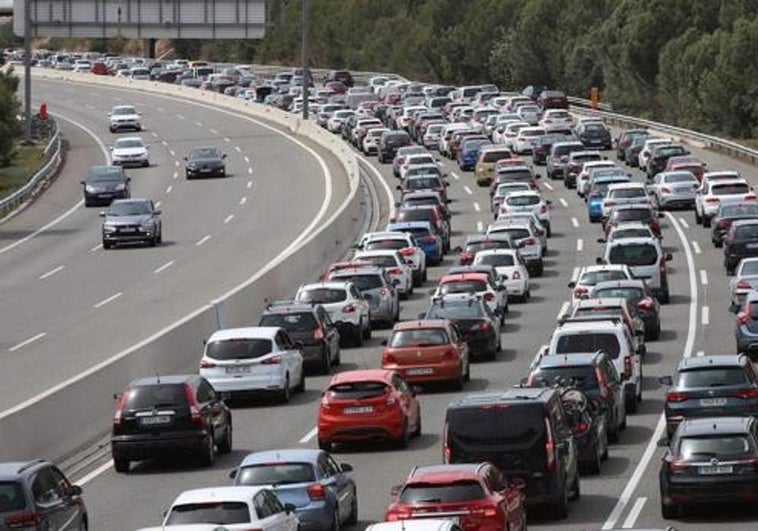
[249, 184]
[160, 109]
[548, 186]
[388, 192]
[575, 223]
[455, 176]
[684, 223]
[169, 188]
[164, 267]
[705, 317]
[96, 248]
[52, 272]
[238, 149]
[26, 342]
[107, 300]
[226, 139]
[579, 245]
[243, 200]
[92, 475]
[696, 247]
[634, 513]
[575, 274]
[228, 218]
[213, 131]
[703, 277]
[477, 207]
[250, 171]
[652, 445]
[247, 159]
[700, 353]
[468, 190]
[563, 202]
[203, 240]
[563, 310]
[479, 226]
[308, 436]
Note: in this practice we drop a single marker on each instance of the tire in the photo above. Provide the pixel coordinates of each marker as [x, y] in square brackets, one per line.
[706, 222]
[225, 446]
[576, 491]
[326, 362]
[152, 242]
[630, 402]
[358, 336]
[107, 245]
[402, 441]
[366, 333]
[613, 434]
[417, 431]
[207, 453]
[593, 468]
[353, 520]
[549, 231]
[284, 394]
[301, 385]
[665, 296]
[698, 219]
[669, 512]
[560, 506]
[336, 524]
[121, 465]
[338, 358]
[159, 239]
[467, 375]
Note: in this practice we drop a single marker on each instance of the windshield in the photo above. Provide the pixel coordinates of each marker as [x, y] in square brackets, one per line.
[638, 232]
[522, 200]
[496, 425]
[635, 254]
[127, 143]
[106, 173]
[121, 111]
[494, 156]
[323, 295]
[627, 193]
[375, 245]
[632, 214]
[204, 153]
[455, 492]
[711, 377]
[748, 267]
[358, 390]
[217, 512]
[496, 260]
[292, 322]
[11, 497]
[275, 474]
[128, 208]
[730, 189]
[680, 178]
[422, 337]
[238, 349]
[588, 342]
[463, 286]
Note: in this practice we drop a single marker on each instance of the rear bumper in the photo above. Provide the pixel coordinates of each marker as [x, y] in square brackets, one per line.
[146, 447]
[723, 490]
[419, 373]
[249, 384]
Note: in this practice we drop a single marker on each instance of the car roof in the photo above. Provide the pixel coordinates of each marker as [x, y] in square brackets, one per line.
[326, 284]
[651, 240]
[422, 524]
[13, 469]
[710, 425]
[368, 269]
[411, 225]
[248, 332]
[598, 302]
[578, 359]
[159, 379]
[362, 375]
[626, 283]
[711, 360]
[232, 493]
[444, 473]
[522, 394]
[593, 326]
[284, 455]
[422, 324]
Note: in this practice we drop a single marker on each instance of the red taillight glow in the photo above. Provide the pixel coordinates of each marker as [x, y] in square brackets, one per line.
[747, 394]
[578, 429]
[676, 467]
[196, 419]
[743, 318]
[316, 492]
[206, 364]
[119, 409]
[743, 284]
[543, 209]
[723, 224]
[22, 520]
[484, 325]
[751, 197]
[273, 360]
[398, 515]
[713, 200]
[394, 271]
[550, 448]
[388, 359]
[318, 334]
[676, 397]
[580, 291]
[528, 241]
[516, 275]
[628, 365]
[489, 296]
[665, 190]
[408, 251]
[645, 304]
[484, 512]
[450, 354]
[350, 308]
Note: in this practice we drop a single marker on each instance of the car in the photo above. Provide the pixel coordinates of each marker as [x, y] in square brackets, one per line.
[660, 155]
[394, 264]
[510, 269]
[404, 243]
[36, 495]
[505, 189]
[311, 327]
[477, 324]
[125, 117]
[739, 243]
[524, 432]
[545, 142]
[432, 134]
[130, 151]
[531, 114]
[370, 144]
[465, 284]
[583, 179]
[367, 404]
[425, 181]
[574, 164]
[346, 307]
[645, 259]
[423, 524]
[746, 325]
[726, 215]
[639, 213]
[552, 99]
[485, 163]
[624, 194]
[744, 281]
[390, 143]
[103, 184]
[673, 189]
[709, 460]
[478, 242]
[526, 139]
[416, 159]
[712, 385]
[425, 236]
[628, 229]
[594, 134]
[431, 213]
[631, 153]
[528, 201]
[638, 296]
[558, 157]
[595, 375]
[334, 123]
[166, 415]
[687, 163]
[713, 194]
[232, 508]
[478, 495]
[608, 308]
[510, 131]
[598, 188]
[131, 220]
[556, 118]
[377, 287]
[626, 138]
[320, 489]
[205, 161]
[468, 151]
[646, 151]
[527, 239]
[585, 278]
[427, 351]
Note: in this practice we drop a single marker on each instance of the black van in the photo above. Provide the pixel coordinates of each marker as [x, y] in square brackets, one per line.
[525, 433]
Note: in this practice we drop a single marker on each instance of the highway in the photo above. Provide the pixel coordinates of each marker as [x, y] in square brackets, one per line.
[625, 494]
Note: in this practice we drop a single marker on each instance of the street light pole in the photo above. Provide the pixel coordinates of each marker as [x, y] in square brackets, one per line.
[27, 71]
[304, 55]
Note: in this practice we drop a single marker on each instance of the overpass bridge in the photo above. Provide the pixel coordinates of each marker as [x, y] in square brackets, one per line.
[6, 8]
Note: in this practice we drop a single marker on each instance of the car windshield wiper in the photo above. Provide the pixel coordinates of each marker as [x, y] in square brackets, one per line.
[287, 482]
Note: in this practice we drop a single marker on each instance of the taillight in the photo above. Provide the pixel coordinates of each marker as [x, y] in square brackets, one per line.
[117, 416]
[196, 419]
[580, 292]
[450, 354]
[350, 308]
[484, 512]
[273, 360]
[676, 467]
[484, 325]
[516, 275]
[578, 429]
[489, 296]
[22, 520]
[408, 251]
[398, 515]
[665, 190]
[550, 448]
[394, 271]
[748, 393]
[609, 203]
[645, 304]
[206, 364]
[325, 403]
[465, 257]
[628, 365]
[318, 333]
[676, 397]
[388, 359]
[713, 200]
[751, 197]
[743, 284]
[743, 318]
[528, 241]
[316, 492]
[543, 209]
[723, 224]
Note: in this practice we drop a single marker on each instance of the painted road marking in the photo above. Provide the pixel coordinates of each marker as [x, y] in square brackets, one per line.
[164, 267]
[107, 300]
[203, 240]
[52, 272]
[24, 343]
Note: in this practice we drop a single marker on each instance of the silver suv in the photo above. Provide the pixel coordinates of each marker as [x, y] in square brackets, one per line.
[645, 258]
[132, 221]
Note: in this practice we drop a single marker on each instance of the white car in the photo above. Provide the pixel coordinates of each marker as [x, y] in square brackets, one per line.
[371, 140]
[713, 194]
[588, 276]
[528, 242]
[530, 114]
[334, 123]
[447, 135]
[130, 151]
[231, 509]
[404, 120]
[556, 119]
[510, 268]
[510, 133]
[125, 117]
[416, 159]
[421, 524]
[582, 180]
[256, 359]
[394, 263]
[526, 139]
[624, 194]
[504, 190]
[528, 201]
[344, 304]
[647, 150]
[82, 65]
[141, 73]
[402, 242]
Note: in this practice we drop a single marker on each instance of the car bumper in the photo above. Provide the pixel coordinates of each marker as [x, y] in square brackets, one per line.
[383, 311]
[676, 201]
[429, 372]
[131, 162]
[316, 516]
[126, 126]
[248, 384]
[349, 428]
[156, 445]
[103, 198]
[121, 237]
[205, 172]
[515, 288]
[714, 490]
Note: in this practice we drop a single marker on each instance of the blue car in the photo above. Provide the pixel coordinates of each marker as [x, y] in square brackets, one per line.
[426, 237]
[311, 480]
[596, 196]
[469, 152]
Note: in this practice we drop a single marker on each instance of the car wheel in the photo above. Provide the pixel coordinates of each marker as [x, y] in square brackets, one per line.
[670, 511]
[718, 243]
[467, 375]
[613, 433]
[187, 176]
[225, 446]
[402, 441]
[698, 219]
[655, 335]
[160, 236]
[353, 520]
[207, 452]
[83, 525]
[338, 357]
[107, 245]
[706, 222]
[576, 491]
[152, 242]
[630, 402]
[560, 507]
[326, 362]
[665, 295]
[121, 465]
[285, 394]
[593, 467]
[358, 335]
[367, 331]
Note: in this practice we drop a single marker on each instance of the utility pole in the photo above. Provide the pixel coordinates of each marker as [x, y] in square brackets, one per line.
[28, 71]
[304, 55]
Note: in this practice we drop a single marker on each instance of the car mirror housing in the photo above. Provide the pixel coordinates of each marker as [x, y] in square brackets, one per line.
[666, 380]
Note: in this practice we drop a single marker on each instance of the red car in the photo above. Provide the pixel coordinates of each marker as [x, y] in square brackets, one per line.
[367, 405]
[476, 495]
[99, 68]
[687, 163]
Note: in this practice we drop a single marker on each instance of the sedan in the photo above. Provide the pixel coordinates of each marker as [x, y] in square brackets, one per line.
[130, 151]
[205, 162]
[104, 184]
[744, 281]
[674, 189]
[740, 242]
[511, 271]
[728, 214]
[131, 221]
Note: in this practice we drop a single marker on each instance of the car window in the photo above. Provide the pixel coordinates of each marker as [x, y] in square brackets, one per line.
[239, 348]
[204, 392]
[463, 286]
[262, 509]
[496, 426]
[333, 467]
[707, 447]
[273, 502]
[44, 487]
[459, 491]
[218, 512]
[275, 474]
[746, 231]
[590, 278]
[456, 310]
[322, 295]
[358, 390]
[712, 377]
[149, 396]
[638, 254]
[588, 342]
[581, 377]
[363, 282]
[421, 337]
[11, 497]
[292, 322]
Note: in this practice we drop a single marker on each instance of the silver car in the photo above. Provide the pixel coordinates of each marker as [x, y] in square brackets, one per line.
[131, 221]
[377, 288]
[671, 189]
[744, 280]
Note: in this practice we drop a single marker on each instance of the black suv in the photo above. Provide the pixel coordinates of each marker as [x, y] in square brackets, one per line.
[205, 162]
[166, 415]
[390, 142]
[740, 242]
[310, 325]
[36, 495]
[525, 433]
[104, 184]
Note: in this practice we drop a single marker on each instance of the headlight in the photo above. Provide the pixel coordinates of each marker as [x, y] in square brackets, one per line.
[109, 228]
[90, 189]
[120, 187]
[191, 166]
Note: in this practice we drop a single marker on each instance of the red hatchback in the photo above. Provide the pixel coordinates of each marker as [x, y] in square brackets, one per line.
[476, 496]
[368, 405]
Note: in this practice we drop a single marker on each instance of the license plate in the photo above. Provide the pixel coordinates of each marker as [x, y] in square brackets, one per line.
[156, 420]
[715, 469]
[752, 245]
[358, 410]
[455, 519]
[127, 229]
[238, 370]
[420, 371]
[205, 170]
[683, 189]
[712, 402]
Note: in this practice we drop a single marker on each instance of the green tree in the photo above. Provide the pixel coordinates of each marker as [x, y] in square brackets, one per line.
[9, 126]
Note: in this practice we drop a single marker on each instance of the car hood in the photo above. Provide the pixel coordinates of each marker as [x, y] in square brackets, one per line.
[124, 117]
[129, 151]
[127, 220]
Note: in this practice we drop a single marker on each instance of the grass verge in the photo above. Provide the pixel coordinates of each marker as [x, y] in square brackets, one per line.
[27, 160]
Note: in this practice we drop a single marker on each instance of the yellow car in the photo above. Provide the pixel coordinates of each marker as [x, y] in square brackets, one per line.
[485, 164]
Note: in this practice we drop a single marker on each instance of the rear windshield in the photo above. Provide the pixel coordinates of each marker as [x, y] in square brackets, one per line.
[636, 254]
[323, 295]
[105, 173]
[585, 158]
[522, 200]
[749, 267]
[380, 261]
[496, 260]
[511, 175]
[487, 244]
[423, 183]
[593, 277]
[627, 193]
[597, 312]
[385, 244]
[708, 447]
[746, 231]
[422, 337]
[630, 294]
[632, 214]
[589, 342]
[456, 492]
[516, 233]
[218, 512]
[275, 474]
[712, 377]
[11, 497]
[494, 156]
[149, 396]
[290, 321]
[680, 178]
[581, 377]
[463, 286]
[357, 390]
[416, 214]
[456, 311]
[496, 424]
[728, 189]
[237, 349]
[640, 232]
[363, 282]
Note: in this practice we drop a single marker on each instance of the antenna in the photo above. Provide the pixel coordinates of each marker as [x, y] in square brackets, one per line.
[157, 377]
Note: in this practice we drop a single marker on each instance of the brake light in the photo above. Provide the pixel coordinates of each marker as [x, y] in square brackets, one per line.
[394, 271]
[429, 239]
[580, 428]
[676, 467]
[196, 419]
[528, 241]
[318, 333]
[316, 492]
[713, 200]
[22, 520]
[489, 296]
[325, 403]
[450, 354]
[543, 209]
[645, 304]
[743, 318]
[484, 512]
[609, 203]
[350, 308]
[391, 400]
[676, 397]
[743, 284]
[747, 394]
[628, 365]
[580, 292]
[206, 364]
[665, 190]
[751, 197]
[516, 275]
[398, 515]
[388, 359]
[408, 251]
[485, 325]
[465, 257]
[119, 409]
[550, 448]
[273, 360]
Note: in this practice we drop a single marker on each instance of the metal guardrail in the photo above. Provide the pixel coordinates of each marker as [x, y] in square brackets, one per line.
[52, 154]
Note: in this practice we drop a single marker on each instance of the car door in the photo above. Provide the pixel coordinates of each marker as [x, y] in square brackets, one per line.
[212, 409]
[613, 380]
[338, 482]
[71, 509]
[49, 504]
[263, 511]
[564, 440]
[287, 351]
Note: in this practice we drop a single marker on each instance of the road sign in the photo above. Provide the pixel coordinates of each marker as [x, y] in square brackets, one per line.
[141, 19]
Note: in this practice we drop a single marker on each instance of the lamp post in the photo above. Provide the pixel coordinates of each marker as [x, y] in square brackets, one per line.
[28, 71]
[304, 54]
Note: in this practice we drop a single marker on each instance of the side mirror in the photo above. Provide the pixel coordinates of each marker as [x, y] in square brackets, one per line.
[733, 308]
[639, 333]
[76, 490]
[572, 284]
[395, 490]
[601, 240]
[396, 281]
[184, 158]
[415, 389]
[661, 214]
[599, 261]
[102, 213]
[233, 473]
[447, 184]
[82, 182]
[346, 467]
[457, 249]
[666, 380]
[289, 508]
[110, 148]
[668, 257]
[128, 179]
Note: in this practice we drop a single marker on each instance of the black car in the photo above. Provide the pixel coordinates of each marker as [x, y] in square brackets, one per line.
[552, 99]
[711, 386]
[205, 162]
[594, 134]
[709, 460]
[479, 326]
[37, 495]
[542, 149]
[588, 422]
[640, 300]
[726, 215]
[162, 416]
[343, 76]
[632, 151]
[310, 325]
[625, 140]
[740, 242]
[131, 221]
[525, 433]
[660, 156]
[390, 142]
[104, 184]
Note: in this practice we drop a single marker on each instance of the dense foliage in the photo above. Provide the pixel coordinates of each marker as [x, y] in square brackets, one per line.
[691, 62]
[9, 126]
